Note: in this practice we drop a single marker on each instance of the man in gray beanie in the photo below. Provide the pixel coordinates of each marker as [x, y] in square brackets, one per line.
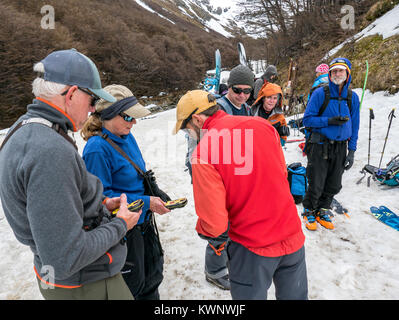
[270, 75]
[241, 82]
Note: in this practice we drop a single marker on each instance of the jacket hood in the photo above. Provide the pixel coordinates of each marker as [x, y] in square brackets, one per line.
[267, 90]
[334, 89]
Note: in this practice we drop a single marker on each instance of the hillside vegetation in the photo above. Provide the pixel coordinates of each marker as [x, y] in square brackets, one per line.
[382, 54]
[130, 46]
[149, 54]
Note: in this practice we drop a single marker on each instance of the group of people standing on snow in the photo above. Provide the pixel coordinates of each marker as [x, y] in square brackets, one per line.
[60, 204]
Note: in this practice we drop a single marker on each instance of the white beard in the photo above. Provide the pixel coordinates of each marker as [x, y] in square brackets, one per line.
[338, 81]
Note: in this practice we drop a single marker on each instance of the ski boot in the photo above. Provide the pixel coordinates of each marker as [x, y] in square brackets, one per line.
[310, 219]
[323, 217]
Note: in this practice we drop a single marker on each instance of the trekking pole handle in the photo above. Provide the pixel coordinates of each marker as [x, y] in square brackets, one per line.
[372, 114]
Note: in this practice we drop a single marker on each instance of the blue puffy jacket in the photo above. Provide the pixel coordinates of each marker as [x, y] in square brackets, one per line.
[115, 172]
[347, 131]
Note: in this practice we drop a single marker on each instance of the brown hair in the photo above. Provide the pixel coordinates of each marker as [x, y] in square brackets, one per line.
[210, 111]
[91, 127]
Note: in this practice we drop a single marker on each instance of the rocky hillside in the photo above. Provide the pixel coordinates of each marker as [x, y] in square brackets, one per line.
[150, 46]
[376, 40]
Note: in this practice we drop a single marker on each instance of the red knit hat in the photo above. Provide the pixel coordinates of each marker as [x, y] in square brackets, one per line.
[322, 68]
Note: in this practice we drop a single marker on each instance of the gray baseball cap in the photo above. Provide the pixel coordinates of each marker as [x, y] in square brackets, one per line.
[71, 67]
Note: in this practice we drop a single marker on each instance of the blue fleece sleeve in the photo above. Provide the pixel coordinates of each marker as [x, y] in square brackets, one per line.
[355, 118]
[311, 117]
[98, 164]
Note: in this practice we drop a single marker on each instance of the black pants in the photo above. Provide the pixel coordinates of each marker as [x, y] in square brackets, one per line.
[324, 175]
[143, 269]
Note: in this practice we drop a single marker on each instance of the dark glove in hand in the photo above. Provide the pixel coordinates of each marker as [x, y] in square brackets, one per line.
[337, 121]
[283, 131]
[349, 159]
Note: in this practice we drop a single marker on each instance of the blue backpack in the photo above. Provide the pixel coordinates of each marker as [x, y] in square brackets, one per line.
[298, 181]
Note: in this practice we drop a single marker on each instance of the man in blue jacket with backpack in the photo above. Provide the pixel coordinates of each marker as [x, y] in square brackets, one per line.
[332, 116]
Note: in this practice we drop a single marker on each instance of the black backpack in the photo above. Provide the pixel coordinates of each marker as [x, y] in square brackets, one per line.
[327, 97]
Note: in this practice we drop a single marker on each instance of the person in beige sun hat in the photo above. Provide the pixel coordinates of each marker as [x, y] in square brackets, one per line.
[119, 116]
[113, 155]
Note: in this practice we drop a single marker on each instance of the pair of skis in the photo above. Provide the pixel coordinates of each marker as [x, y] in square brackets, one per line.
[385, 215]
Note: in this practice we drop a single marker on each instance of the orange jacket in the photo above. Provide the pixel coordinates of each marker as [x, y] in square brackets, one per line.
[277, 115]
[240, 177]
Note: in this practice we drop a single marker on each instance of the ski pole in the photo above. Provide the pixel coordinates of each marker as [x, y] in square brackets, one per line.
[390, 117]
[365, 83]
[371, 117]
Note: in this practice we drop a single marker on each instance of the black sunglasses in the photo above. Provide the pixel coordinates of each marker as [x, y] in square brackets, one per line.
[126, 117]
[87, 91]
[187, 120]
[211, 98]
[239, 90]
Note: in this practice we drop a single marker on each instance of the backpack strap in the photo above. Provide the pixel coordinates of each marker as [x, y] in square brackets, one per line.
[327, 98]
[123, 153]
[54, 126]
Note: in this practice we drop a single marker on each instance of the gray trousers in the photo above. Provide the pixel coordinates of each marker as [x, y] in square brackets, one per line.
[251, 275]
[216, 256]
[215, 261]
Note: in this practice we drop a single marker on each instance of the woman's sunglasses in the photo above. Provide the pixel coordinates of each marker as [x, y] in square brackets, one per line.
[126, 117]
[239, 90]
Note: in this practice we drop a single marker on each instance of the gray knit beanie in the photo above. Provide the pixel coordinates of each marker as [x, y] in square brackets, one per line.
[269, 72]
[241, 75]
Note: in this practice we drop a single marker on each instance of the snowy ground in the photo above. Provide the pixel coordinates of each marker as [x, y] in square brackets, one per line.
[357, 260]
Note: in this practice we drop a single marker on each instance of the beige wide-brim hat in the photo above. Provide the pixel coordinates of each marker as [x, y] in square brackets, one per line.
[121, 92]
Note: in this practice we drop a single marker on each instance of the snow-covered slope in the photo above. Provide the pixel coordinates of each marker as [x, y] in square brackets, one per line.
[357, 260]
[216, 15]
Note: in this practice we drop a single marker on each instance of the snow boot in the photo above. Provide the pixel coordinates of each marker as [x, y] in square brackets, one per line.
[222, 283]
[310, 219]
[323, 217]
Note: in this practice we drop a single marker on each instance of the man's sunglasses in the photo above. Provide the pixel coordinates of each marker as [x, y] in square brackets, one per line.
[187, 120]
[126, 117]
[211, 98]
[239, 90]
[87, 91]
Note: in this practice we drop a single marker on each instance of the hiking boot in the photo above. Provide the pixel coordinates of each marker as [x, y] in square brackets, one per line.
[222, 283]
[323, 217]
[310, 219]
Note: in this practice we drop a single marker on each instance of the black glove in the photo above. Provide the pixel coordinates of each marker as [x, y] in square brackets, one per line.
[283, 131]
[337, 121]
[349, 159]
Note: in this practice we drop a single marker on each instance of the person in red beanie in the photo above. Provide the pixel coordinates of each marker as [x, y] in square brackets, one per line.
[240, 181]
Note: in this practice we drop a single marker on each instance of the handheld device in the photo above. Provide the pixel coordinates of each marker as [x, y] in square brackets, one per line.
[178, 203]
[135, 206]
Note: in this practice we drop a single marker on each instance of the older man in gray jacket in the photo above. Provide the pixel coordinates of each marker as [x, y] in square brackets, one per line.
[52, 203]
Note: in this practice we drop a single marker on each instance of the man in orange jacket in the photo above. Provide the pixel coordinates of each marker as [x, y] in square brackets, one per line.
[240, 181]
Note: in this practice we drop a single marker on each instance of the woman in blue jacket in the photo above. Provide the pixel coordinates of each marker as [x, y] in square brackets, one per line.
[332, 142]
[119, 176]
